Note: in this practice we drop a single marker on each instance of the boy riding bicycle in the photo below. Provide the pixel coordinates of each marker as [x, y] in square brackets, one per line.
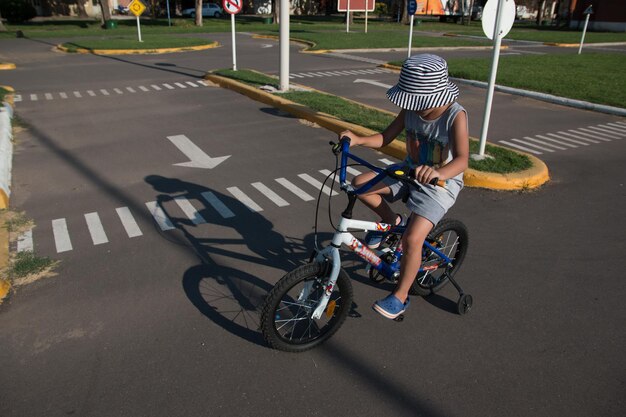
[437, 146]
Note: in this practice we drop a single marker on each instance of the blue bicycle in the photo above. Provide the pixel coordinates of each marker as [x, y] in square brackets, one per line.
[309, 304]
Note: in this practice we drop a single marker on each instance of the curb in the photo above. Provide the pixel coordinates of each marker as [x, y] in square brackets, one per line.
[6, 154]
[590, 44]
[7, 66]
[531, 178]
[153, 51]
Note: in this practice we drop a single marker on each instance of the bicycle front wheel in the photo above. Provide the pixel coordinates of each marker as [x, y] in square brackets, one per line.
[451, 238]
[286, 321]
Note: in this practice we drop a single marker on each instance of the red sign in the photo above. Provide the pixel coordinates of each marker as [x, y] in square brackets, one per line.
[232, 6]
[356, 5]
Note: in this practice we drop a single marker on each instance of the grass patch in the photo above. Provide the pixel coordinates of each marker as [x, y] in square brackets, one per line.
[15, 222]
[128, 42]
[27, 263]
[504, 161]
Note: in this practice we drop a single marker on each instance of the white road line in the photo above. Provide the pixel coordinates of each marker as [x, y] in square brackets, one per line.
[33, 97]
[620, 125]
[191, 84]
[91, 93]
[203, 83]
[142, 88]
[315, 183]
[77, 94]
[118, 91]
[608, 130]
[25, 241]
[278, 200]
[244, 199]
[295, 76]
[568, 139]
[61, 236]
[18, 97]
[557, 141]
[577, 137]
[63, 95]
[612, 128]
[169, 87]
[589, 135]
[217, 205]
[351, 72]
[48, 96]
[181, 85]
[95, 228]
[353, 171]
[294, 189]
[306, 75]
[598, 134]
[386, 161]
[189, 210]
[520, 147]
[534, 146]
[327, 172]
[159, 216]
[131, 89]
[128, 221]
[105, 92]
[156, 87]
[544, 143]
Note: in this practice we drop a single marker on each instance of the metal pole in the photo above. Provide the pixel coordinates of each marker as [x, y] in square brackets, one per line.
[497, 40]
[169, 22]
[366, 17]
[138, 29]
[284, 45]
[232, 25]
[582, 40]
[410, 37]
[348, 18]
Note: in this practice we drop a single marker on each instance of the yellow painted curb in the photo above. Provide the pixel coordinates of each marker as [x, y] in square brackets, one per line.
[564, 45]
[531, 178]
[7, 66]
[138, 51]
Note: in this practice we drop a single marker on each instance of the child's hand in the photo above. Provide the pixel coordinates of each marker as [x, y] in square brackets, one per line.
[354, 139]
[424, 174]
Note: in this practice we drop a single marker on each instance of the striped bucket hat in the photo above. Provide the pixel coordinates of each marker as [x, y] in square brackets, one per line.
[423, 84]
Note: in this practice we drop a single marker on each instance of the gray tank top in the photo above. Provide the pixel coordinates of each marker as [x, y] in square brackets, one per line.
[428, 143]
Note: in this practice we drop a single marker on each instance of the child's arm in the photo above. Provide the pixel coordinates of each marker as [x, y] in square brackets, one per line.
[459, 138]
[379, 139]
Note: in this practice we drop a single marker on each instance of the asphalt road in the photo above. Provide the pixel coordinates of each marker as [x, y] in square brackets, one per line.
[164, 323]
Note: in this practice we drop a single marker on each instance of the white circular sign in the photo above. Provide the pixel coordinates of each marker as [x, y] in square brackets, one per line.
[506, 20]
[232, 6]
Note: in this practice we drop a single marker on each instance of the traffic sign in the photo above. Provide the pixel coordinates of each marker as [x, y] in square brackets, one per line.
[507, 17]
[136, 8]
[411, 7]
[356, 5]
[589, 10]
[232, 6]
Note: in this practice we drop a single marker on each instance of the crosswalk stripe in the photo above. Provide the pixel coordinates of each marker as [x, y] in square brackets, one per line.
[386, 161]
[318, 185]
[578, 137]
[544, 143]
[144, 89]
[33, 97]
[118, 91]
[217, 205]
[77, 94]
[326, 173]
[61, 236]
[156, 87]
[104, 92]
[63, 95]
[607, 130]
[278, 200]
[534, 146]
[159, 216]
[568, 139]
[189, 210]
[18, 97]
[48, 96]
[169, 87]
[244, 199]
[181, 85]
[191, 84]
[128, 221]
[294, 189]
[131, 89]
[91, 93]
[25, 241]
[598, 134]
[98, 236]
[295, 76]
[520, 147]
[590, 135]
[619, 125]
[615, 129]
[306, 75]
[203, 83]
[353, 171]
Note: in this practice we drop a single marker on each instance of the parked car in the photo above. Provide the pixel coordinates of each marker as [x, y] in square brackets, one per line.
[208, 10]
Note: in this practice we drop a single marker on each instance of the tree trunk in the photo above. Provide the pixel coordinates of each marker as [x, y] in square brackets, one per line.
[2, 27]
[198, 12]
[80, 7]
[540, 9]
[276, 12]
[106, 10]
[405, 13]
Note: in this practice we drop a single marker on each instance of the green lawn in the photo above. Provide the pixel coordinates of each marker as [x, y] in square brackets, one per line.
[131, 42]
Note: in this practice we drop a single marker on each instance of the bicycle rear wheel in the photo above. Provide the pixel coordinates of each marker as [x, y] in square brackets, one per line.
[451, 238]
[286, 321]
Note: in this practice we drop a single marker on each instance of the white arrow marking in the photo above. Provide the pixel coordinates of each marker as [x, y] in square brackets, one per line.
[267, 45]
[197, 157]
[376, 83]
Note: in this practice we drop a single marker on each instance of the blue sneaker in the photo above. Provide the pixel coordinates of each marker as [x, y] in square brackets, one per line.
[390, 306]
[374, 239]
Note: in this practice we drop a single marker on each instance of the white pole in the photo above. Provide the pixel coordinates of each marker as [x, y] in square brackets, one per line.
[497, 40]
[284, 45]
[348, 18]
[582, 40]
[138, 29]
[410, 36]
[366, 18]
[232, 30]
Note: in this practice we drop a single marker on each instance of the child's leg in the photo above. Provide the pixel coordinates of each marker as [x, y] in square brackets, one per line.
[373, 197]
[412, 242]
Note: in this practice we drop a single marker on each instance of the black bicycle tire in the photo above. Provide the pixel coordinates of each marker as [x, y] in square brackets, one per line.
[282, 287]
[461, 231]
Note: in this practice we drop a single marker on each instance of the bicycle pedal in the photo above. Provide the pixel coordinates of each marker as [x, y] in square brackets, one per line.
[399, 318]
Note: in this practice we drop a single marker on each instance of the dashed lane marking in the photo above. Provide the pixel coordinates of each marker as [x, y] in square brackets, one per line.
[278, 200]
[61, 235]
[294, 189]
[98, 236]
[128, 221]
[244, 199]
[25, 241]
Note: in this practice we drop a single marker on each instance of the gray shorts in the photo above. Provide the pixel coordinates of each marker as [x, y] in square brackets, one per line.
[418, 202]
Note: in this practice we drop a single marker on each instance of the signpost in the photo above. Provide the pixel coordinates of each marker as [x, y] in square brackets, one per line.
[137, 8]
[355, 6]
[588, 12]
[411, 7]
[497, 20]
[233, 7]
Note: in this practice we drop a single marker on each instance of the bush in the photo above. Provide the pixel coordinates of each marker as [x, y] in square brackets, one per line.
[17, 11]
[381, 9]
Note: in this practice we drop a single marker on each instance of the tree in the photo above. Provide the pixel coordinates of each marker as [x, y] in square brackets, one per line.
[540, 10]
[106, 10]
[2, 27]
[80, 6]
[198, 12]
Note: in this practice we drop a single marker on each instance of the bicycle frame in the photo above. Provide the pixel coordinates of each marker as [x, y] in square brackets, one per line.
[344, 237]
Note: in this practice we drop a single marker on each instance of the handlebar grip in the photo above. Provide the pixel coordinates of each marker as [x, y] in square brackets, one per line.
[438, 182]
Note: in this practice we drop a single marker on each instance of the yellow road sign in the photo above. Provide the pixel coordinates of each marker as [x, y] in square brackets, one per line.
[136, 7]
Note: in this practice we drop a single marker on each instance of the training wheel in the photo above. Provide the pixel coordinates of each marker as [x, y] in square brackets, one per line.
[465, 304]
[399, 318]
